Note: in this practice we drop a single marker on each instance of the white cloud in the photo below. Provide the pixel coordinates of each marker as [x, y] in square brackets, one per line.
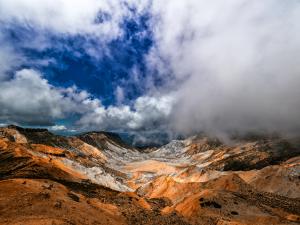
[60, 16]
[152, 112]
[58, 128]
[29, 98]
[119, 94]
[236, 63]
[97, 22]
[69, 17]
[9, 58]
[146, 113]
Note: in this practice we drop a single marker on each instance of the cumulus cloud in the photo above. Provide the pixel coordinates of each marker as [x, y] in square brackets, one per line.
[146, 113]
[66, 17]
[58, 128]
[236, 63]
[28, 98]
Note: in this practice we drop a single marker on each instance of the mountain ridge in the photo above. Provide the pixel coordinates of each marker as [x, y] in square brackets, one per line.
[197, 180]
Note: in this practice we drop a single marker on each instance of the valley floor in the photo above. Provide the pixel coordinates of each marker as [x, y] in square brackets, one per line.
[95, 178]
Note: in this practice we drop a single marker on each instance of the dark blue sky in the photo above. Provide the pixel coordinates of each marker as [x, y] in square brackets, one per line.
[71, 64]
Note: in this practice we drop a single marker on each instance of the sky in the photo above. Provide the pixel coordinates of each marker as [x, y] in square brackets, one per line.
[151, 67]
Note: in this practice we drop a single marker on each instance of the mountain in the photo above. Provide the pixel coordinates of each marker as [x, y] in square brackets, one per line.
[95, 178]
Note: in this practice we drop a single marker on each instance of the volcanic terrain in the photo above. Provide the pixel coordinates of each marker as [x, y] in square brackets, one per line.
[95, 178]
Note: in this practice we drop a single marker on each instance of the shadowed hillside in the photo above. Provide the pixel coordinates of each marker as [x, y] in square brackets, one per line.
[95, 178]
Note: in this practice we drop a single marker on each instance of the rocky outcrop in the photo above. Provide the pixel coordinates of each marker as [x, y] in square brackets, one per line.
[95, 178]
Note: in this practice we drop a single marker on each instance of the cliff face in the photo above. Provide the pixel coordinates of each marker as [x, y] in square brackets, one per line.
[95, 178]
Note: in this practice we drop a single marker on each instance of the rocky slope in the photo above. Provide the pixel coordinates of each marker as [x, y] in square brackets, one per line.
[95, 178]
